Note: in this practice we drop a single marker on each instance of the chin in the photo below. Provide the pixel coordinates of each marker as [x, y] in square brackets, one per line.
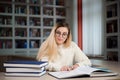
[59, 43]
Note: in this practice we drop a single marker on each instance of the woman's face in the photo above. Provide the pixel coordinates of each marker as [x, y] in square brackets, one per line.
[61, 35]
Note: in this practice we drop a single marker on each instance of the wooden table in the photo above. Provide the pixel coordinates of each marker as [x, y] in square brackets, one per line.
[114, 66]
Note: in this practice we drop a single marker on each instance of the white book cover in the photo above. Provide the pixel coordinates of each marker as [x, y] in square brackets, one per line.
[14, 69]
[25, 74]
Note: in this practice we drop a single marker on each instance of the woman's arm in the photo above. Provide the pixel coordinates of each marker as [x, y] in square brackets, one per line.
[80, 58]
[51, 65]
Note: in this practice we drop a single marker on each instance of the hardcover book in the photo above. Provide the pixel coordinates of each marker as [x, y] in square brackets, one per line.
[25, 68]
[19, 69]
[35, 64]
[83, 71]
[26, 74]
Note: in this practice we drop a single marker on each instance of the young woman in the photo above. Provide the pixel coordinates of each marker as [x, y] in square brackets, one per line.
[61, 53]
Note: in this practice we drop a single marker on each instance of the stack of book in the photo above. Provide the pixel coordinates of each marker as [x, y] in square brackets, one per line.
[25, 68]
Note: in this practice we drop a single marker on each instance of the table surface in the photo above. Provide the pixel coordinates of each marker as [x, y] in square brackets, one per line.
[114, 66]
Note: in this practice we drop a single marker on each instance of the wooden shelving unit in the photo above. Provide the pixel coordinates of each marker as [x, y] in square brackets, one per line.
[112, 30]
[25, 24]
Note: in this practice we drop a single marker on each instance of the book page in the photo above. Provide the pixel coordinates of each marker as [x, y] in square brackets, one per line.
[101, 74]
[80, 71]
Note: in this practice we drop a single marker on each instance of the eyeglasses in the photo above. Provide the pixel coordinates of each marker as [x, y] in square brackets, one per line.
[58, 34]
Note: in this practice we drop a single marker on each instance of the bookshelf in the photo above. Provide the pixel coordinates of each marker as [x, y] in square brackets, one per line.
[25, 24]
[112, 30]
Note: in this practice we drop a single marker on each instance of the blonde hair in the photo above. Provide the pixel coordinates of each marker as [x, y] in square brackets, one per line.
[49, 46]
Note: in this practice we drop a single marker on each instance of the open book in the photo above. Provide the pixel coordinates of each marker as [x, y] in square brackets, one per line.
[83, 71]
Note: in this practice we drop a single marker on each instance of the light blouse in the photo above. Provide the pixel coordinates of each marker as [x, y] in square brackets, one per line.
[68, 57]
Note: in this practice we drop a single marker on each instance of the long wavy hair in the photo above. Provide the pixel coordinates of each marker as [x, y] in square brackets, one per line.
[49, 46]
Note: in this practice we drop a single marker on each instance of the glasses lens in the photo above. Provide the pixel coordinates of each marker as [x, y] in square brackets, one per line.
[64, 35]
[58, 33]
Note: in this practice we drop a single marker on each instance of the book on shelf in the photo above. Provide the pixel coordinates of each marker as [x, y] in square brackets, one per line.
[83, 71]
[26, 74]
[22, 63]
[22, 69]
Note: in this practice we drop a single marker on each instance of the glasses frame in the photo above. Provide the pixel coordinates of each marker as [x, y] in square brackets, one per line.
[58, 34]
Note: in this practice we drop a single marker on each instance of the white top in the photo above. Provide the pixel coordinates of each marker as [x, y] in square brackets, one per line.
[68, 57]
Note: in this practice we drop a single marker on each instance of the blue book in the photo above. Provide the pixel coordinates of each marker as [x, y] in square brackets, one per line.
[21, 63]
[26, 74]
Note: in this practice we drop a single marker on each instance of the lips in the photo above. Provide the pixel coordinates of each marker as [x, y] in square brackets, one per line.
[59, 39]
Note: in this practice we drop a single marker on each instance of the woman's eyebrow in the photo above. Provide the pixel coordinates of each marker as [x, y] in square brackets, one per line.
[65, 33]
[60, 31]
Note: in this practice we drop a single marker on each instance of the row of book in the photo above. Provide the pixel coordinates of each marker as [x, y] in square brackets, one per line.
[5, 44]
[5, 20]
[25, 68]
[112, 42]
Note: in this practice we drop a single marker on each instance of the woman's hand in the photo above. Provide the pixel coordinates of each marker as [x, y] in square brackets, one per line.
[75, 66]
[68, 68]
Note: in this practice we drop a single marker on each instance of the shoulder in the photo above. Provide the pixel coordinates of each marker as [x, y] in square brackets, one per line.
[73, 44]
